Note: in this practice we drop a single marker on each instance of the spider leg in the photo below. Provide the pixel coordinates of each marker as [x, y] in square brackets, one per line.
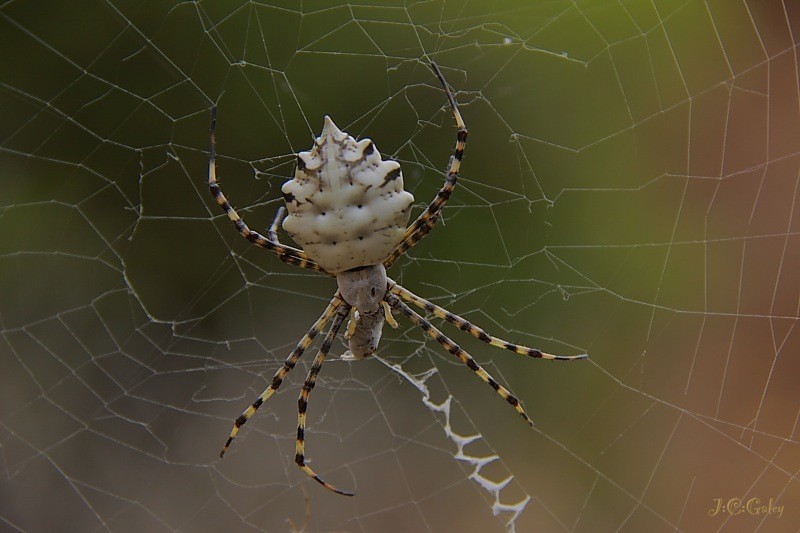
[287, 254]
[288, 365]
[272, 232]
[425, 222]
[457, 351]
[477, 332]
[302, 402]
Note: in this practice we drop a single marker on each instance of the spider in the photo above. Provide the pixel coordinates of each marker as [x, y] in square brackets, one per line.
[348, 210]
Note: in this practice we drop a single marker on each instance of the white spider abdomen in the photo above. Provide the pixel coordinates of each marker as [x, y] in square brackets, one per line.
[347, 207]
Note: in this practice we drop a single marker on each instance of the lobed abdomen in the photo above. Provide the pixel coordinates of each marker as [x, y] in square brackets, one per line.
[347, 207]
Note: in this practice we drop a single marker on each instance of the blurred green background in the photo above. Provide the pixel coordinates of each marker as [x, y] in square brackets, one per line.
[629, 190]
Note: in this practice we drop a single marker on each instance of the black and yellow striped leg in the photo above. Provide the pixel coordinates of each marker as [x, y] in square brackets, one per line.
[302, 402]
[287, 254]
[288, 365]
[425, 222]
[477, 332]
[457, 351]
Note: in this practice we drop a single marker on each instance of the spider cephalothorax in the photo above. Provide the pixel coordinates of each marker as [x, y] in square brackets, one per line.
[348, 211]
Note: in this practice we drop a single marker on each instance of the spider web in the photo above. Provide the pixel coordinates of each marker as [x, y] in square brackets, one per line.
[630, 190]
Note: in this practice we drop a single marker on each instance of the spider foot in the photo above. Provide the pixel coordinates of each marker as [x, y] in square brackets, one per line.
[236, 425]
[319, 480]
[225, 448]
[544, 355]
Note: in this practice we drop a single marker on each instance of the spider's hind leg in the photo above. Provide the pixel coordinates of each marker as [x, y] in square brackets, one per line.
[427, 220]
[287, 254]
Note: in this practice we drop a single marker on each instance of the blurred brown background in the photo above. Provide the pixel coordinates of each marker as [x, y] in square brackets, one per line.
[630, 190]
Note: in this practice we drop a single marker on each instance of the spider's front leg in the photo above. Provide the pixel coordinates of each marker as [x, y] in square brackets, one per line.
[287, 254]
[476, 331]
[427, 220]
[288, 365]
[454, 349]
[302, 402]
